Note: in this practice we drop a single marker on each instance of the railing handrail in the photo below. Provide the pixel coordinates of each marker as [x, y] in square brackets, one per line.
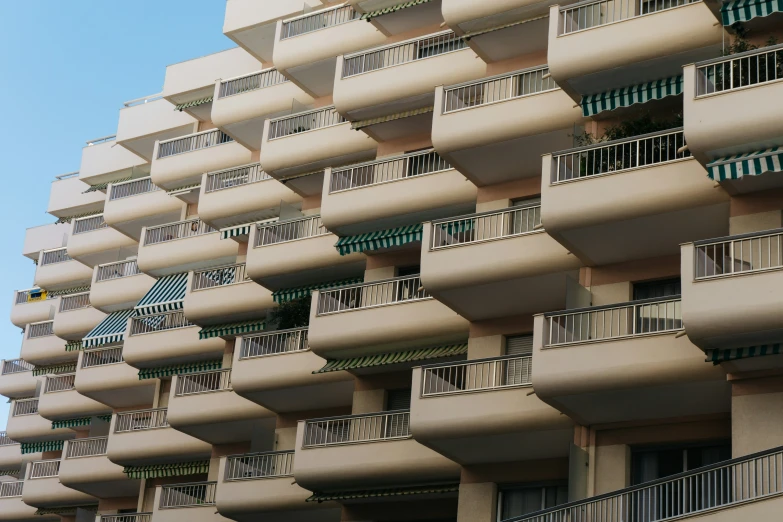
[5, 440]
[371, 283]
[48, 468]
[143, 99]
[145, 410]
[103, 269]
[485, 213]
[586, 3]
[472, 361]
[15, 487]
[102, 139]
[620, 141]
[385, 159]
[401, 44]
[148, 328]
[314, 13]
[187, 494]
[98, 447]
[358, 415]
[259, 453]
[745, 54]
[93, 358]
[296, 334]
[651, 300]
[494, 77]
[21, 364]
[748, 235]
[124, 517]
[242, 271]
[303, 113]
[248, 75]
[186, 136]
[276, 332]
[181, 222]
[129, 181]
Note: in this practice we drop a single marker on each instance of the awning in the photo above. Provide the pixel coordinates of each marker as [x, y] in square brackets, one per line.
[380, 239]
[67, 219]
[231, 329]
[386, 492]
[10, 472]
[179, 369]
[195, 103]
[74, 346]
[745, 10]
[383, 359]
[360, 124]
[504, 26]
[236, 231]
[110, 330]
[177, 469]
[104, 186]
[393, 9]
[166, 295]
[69, 291]
[40, 447]
[593, 104]
[65, 510]
[732, 354]
[54, 369]
[749, 164]
[291, 294]
[80, 421]
[183, 190]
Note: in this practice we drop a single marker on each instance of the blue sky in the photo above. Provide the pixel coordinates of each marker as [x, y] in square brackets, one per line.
[65, 70]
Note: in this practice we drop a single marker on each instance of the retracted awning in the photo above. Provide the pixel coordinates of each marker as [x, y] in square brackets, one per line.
[74, 346]
[67, 219]
[110, 330]
[593, 104]
[66, 511]
[504, 26]
[386, 492]
[392, 9]
[383, 359]
[380, 239]
[236, 231]
[718, 356]
[176, 469]
[749, 164]
[80, 421]
[69, 291]
[183, 190]
[360, 124]
[54, 369]
[104, 186]
[745, 10]
[290, 294]
[195, 103]
[166, 295]
[40, 447]
[231, 329]
[179, 369]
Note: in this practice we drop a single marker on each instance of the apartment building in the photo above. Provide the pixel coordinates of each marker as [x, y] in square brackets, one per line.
[421, 261]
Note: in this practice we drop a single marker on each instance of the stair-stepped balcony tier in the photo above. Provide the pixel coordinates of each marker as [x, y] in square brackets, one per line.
[86, 468]
[17, 379]
[93, 242]
[41, 347]
[13, 508]
[56, 270]
[42, 487]
[312, 140]
[146, 120]
[483, 411]
[103, 375]
[26, 425]
[275, 370]
[103, 161]
[380, 317]
[624, 362]
[118, 286]
[298, 252]
[194, 501]
[658, 38]
[45, 237]
[11, 453]
[68, 197]
[184, 245]
[75, 317]
[477, 129]
[459, 264]
[595, 199]
[390, 192]
[225, 294]
[59, 400]
[365, 451]
[32, 306]
[133, 205]
[139, 438]
[242, 195]
[260, 485]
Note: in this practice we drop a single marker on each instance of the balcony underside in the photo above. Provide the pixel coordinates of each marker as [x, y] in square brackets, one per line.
[101, 246]
[191, 253]
[229, 303]
[69, 404]
[97, 476]
[246, 203]
[167, 347]
[129, 215]
[155, 446]
[18, 385]
[34, 428]
[49, 492]
[121, 293]
[34, 312]
[116, 385]
[13, 509]
[527, 38]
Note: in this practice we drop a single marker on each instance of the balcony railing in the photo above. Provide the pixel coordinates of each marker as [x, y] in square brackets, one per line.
[274, 343]
[16, 366]
[88, 224]
[188, 495]
[203, 382]
[25, 407]
[91, 447]
[42, 329]
[223, 276]
[200, 140]
[371, 295]
[51, 257]
[31, 295]
[178, 230]
[303, 122]
[402, 52]
[603, 323]
[127, 517]
[45, 469]
[282, 231]
[619, 155]
[260, 465]
[141, 420]
[250, 82]
[117, 270]
[5, 440]
[229, 178]
[60, 383]
[318, 20]
[130, 188]
[353, 429]
[487, 226]
[594, 13]
[739, 70]
[159, 323]
[478, 375]
[497, 89]
[74, 302]
[384, 171]
[11, 489]
[744, 254]
[102, 357]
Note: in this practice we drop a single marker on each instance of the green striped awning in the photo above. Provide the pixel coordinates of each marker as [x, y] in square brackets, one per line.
[360, 124]
[593, 104]
[195, 103]
[749, 164]
[380, 239]
[291, 294]
[386, 492]
[40, 447]
[66, 511]
[10, 472]
[104, 186]
[68, 291]
[80, 421]
[481, 32]
[54, 369]
[67, 219]
[176, 469]
[745, 10]
[393, 9]
[179, 369]
[383, 359]
[74, 346]
[166, 295]
[231, 329]
[718, 356]
[236, 231]
[110, 330]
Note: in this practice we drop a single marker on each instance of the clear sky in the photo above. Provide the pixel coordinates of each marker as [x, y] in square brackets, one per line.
[66, 67]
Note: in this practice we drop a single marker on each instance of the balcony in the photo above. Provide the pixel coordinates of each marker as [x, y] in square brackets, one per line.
[483, 411]
[133, 205]
[42, 487]
[297, 252]
[92, 242]
[389, 192]
[624, 362]
[26, 425]
[275, 370]
[147, 120]
[459, 264]
[12, 508]
[182, 246]
[118, 286]
[103, 162]
[225, 294]
[183, 160]
[474, 126]
[41, 347]
[196, 501]
[365, 451]
[261, 485]
[60, 400]
[56, 271]
[75, 317]
[45, 237]
[310, 141]
[143, 437]
[32, 306]
[86, 468]
[11, 454]
[379, 317]
[103, 375]
[595, 199]
[16, 379]
[67, 197]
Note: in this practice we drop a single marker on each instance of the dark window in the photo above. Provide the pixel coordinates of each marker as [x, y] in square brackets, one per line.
[518, 501]
[655, 289]
[651, 464]
[398, 399]
[404, 271]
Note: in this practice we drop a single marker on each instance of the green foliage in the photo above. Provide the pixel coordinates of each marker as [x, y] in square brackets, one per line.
[643, 124]
[741, 43]
[291, 314]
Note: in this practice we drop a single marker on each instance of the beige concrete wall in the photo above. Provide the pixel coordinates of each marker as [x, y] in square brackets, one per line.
[755, 422]
[477, 502]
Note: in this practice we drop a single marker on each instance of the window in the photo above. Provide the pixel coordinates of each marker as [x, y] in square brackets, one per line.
[517, 371]
[519, 344]
[405, 271]
[518, 501]
[655, 289]
[655, 463]
[398, 399]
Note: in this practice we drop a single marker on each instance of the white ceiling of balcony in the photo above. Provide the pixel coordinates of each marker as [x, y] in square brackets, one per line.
[258, 40]
[408, 19]
[517, 40]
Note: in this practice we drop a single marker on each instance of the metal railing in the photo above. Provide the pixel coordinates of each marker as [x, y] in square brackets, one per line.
[25, 407]
[739, 70]
[159, 323]
[739, 255]
[618, 155]
[59, 255]
[282, 231]
[102, 357]
[88, 224]
[104, 139]
[45, 469]
[16, 366]
[260, 465]
[594, 13]
[188, 495]
[222, 276]
[497, 89]
[649, 316]
[304, 121]
[369, 295]
[251, 82]
[143, 100]
[234, 177]
[11, 489]
[274, 343]
[74, 302]
[130, 188]
[352, 429]
[197, 141]
[203, 382]
[60, 383]
[402, 52]
[5, 440]
[478, 375]
[318, 20]
[117, 270]
[141, 420]
[486, 226]
[41, 329]
[384, 171]
[127, 517]
[24, 296]
[178, 230]
[91, 447]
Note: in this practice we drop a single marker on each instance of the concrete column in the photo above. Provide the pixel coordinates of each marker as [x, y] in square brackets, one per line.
[285, 439]
[486, 346]
[477, 502]
[497, 204]
[755, 222]
[756, 422]
[611, 468]
[377, 274]
[368, 401]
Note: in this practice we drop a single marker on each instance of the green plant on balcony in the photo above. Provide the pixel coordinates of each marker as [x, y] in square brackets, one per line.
[291, 314]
